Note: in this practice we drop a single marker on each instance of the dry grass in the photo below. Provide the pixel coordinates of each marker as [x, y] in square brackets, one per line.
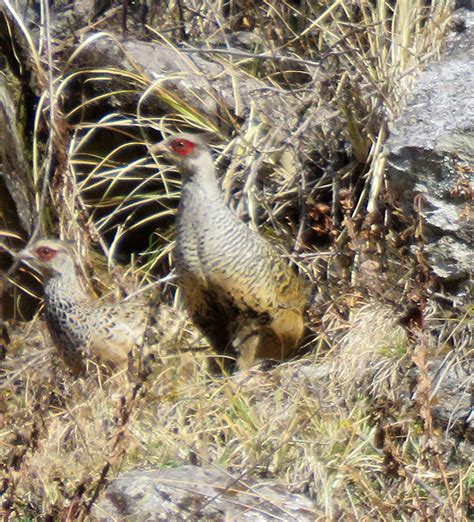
[339, 423]
[369, 56]
[354, 449]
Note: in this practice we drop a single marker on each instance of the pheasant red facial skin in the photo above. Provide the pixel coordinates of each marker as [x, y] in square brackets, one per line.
[183, 147]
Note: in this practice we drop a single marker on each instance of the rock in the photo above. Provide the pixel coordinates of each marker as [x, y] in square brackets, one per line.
[206, 85]
[430, 152]
[15, 170]
[195, 493]
[468, 4]
[450, 258]
[452, 396]
[156, 81]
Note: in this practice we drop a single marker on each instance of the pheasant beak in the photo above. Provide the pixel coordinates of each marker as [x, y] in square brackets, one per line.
[24, 255]
[159, 148]
[28, 258]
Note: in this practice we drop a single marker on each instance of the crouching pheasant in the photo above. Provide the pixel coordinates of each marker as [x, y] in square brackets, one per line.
[81, 327]
[239, 290]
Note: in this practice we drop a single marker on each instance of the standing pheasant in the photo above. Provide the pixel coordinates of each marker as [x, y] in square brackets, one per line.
[80, 326]
[239, 291]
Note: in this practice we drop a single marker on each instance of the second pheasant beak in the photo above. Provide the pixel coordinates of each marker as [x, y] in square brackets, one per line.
[24, 255]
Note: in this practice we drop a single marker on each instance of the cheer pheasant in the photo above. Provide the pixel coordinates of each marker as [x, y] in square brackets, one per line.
[81, 327]
[239, 290]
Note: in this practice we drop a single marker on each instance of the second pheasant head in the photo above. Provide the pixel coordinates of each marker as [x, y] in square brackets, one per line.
[189, 152]
[50, 257]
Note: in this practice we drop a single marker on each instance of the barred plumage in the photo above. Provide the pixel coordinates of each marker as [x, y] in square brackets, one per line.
[239, 290]
[82, 327]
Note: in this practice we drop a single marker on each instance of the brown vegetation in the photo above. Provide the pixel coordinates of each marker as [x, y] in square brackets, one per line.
[350, 422]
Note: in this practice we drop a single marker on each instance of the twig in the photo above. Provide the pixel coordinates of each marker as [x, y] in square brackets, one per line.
[302, 212]
[52, 128]
[376, 179]
[422, 484]
[245, 54]
[166, 279]
[126, 410]
[182, 23]
[268, 141]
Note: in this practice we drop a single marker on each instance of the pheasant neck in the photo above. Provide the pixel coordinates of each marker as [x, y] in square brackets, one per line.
[203, 180]
[65, 287]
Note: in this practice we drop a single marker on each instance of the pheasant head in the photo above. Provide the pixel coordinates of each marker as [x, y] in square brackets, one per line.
[50, 257]
[189, 152]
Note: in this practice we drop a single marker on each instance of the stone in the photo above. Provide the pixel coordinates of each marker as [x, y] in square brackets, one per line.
[430, 152]
[205, 85]
[198, 493]
[452, 396]
[15, 172]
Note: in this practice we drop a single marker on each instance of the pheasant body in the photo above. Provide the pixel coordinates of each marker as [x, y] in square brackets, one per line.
[81, 327]
[66, 321]
[77, 323]
[239, 290]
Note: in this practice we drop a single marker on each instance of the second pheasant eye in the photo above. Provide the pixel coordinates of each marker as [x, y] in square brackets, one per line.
[45, 253]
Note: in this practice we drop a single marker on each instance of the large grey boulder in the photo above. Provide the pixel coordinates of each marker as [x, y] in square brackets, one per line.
[195, 493]
[14, 166]
[220, 94]
[452, 395]
[430, 152]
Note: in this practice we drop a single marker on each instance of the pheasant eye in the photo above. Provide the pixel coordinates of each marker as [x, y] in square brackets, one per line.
[183, 147]
[45, 253]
